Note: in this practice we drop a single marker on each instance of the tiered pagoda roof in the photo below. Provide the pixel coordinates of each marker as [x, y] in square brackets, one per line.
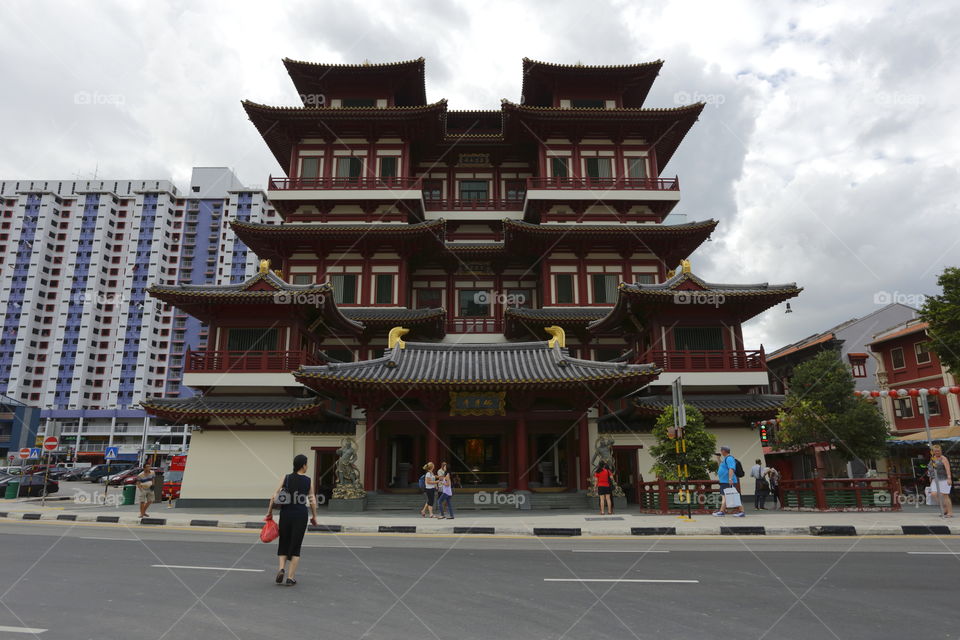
[741, 301]
[201, 409]
[632, 80]
[282, 127]
[277, 240]
[424, 322]
[642, 411]
[664, 128]
[404, 81]
[670, 243]
[522, 321]
[467, 367]
[264, 293]
[410, 116]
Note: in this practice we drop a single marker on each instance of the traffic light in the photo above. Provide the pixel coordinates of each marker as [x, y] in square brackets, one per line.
[764, 435]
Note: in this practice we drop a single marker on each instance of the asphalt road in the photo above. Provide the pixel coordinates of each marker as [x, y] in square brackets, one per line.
[93, 581]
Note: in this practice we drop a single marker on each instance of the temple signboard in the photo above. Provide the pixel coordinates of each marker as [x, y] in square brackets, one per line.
[464, 403]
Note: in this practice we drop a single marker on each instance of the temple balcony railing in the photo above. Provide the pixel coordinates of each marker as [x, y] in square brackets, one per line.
[708, 361]
[360, 183]
[474, 325]
[662, 193]
[247, 361]
[635, 184]
[469, 204]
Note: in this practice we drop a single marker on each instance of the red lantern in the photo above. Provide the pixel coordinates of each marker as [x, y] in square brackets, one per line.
[933, 391]
[954, 389]
[875, 394]
[913, 392]
[893, 393]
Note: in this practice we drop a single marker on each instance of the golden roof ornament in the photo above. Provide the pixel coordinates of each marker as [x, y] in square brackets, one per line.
[264, 267]
[558, 336]
[685, 266]
[671, 273]
[395, 338]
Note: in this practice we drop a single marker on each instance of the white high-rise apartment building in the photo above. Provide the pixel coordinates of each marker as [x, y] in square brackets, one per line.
[81, 338]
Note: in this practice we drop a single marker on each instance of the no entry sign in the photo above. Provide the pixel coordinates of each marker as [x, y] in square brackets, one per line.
[50, 443]
[24, 454]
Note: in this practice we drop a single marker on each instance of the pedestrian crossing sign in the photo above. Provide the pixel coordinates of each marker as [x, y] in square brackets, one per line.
[112, 453]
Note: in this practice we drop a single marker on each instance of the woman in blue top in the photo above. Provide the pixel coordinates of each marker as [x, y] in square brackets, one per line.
[298, 492]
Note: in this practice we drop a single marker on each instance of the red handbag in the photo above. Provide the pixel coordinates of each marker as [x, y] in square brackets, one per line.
[270, 530]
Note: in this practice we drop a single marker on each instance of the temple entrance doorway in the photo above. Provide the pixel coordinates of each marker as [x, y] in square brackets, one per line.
[478, 462]
[324, 473]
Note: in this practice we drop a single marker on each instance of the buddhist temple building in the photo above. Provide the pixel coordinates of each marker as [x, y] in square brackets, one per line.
[494, 289]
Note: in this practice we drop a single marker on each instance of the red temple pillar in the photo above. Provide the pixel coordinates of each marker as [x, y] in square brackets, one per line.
[433, 440]
[523, 459]
[370, 452]
[584, 447]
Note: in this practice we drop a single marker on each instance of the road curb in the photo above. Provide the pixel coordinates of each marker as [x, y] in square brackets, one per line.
[524, 530]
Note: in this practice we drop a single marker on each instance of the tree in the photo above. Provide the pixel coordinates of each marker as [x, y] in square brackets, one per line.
[821, 408]
[942, 313]
[701, 445]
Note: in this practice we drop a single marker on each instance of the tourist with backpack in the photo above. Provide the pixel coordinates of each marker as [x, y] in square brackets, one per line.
[729, 473]
[761, 488]
[428, 484]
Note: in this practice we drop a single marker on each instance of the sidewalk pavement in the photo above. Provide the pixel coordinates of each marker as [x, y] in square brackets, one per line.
[629, 522]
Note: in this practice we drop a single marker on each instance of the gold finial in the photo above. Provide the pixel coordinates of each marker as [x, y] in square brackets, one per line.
[395, 338]
[264, 266]
[278, 273]
[685, 266]
[671, 273]
[558, 336]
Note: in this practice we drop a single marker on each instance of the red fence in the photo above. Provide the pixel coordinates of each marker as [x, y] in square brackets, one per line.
[721, 360]
[817, 494]
[246, 361]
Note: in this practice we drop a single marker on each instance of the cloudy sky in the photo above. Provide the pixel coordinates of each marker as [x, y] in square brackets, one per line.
[829, 149]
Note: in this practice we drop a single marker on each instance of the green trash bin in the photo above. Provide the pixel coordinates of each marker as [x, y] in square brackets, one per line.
[13, 487]
[129, 493]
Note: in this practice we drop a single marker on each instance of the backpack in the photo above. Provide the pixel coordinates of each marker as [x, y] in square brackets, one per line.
[422, 482]
[739, 470]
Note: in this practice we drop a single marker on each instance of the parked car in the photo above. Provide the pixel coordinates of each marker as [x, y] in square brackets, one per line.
[74, 474]
[124, 477]
[30, 485]
[94, 474]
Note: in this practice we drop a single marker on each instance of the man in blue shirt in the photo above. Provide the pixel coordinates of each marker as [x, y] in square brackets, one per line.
[727, 477]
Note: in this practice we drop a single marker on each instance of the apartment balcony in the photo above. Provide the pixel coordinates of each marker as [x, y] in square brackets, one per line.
[720, 360]
[247, 361]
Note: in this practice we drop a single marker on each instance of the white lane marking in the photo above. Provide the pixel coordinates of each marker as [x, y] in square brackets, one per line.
[121, 539]
[617, 580]
[21, 630]
[617, 551]
[183, 566]
[934, 553]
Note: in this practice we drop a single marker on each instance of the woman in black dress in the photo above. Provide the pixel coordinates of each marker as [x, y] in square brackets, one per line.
[293, 495]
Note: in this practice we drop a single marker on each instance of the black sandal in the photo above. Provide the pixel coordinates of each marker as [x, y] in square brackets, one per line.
[280, 576]
[291, 582]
